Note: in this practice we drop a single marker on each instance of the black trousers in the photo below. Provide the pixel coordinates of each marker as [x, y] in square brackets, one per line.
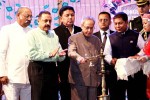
[135, 87]
[64, 85]
[43, 78]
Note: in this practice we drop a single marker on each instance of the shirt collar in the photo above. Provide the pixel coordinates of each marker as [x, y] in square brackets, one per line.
[68, 29]
[101, 32]
[72, 30]
[123, 33]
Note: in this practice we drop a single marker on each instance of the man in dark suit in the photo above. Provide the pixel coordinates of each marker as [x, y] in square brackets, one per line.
[136, 23]
[104, 21]
[64, 31]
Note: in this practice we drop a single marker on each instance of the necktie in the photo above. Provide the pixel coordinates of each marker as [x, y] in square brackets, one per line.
[104, 39]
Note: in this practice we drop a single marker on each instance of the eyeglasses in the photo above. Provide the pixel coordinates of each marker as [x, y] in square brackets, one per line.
[101, 20]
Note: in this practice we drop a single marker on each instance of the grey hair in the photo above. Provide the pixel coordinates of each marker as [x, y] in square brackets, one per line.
[87, 18]
[21, 9]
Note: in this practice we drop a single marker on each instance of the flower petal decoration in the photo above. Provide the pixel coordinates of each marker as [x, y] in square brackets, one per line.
[56, 18]
[72, 0]
[64, 4]
[78, 0]
[9, 9]
[4, 1]
[9, 17]
[35, 22]
[30, 25]
[18, 5]
[54, 10]
[46, 6]
[56, 24]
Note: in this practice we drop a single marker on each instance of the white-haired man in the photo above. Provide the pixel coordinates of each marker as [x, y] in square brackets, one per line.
[83, 73]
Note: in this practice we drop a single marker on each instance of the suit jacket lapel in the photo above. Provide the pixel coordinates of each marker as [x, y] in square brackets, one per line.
[98, 34]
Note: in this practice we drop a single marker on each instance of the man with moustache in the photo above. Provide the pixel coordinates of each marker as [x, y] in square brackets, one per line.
[64, 31]
[44, 51]
[136, 23]
[13, 61]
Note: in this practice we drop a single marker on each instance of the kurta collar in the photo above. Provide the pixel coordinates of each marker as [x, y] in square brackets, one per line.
[20, 27]
[68, 29]
[123, 33]
[87, 38]
[43, 32]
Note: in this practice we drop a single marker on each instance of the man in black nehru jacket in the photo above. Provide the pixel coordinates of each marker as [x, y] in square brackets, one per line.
[64, 31]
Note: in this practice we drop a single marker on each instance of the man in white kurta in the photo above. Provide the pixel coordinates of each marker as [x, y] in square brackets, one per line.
[13, 60]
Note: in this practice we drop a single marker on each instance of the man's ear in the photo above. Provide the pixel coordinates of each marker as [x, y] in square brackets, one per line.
[60, 18]
[38, 20]
[18, 15]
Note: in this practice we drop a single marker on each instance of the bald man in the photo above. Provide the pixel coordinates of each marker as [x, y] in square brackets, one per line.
[13, 60]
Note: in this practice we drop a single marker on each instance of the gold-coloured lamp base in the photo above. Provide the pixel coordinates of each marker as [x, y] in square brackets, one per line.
[103, 97]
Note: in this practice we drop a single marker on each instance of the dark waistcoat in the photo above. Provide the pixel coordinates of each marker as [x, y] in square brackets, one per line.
[124, 45]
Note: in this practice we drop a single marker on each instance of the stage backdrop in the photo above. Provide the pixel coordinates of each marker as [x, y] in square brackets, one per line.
[82, 8]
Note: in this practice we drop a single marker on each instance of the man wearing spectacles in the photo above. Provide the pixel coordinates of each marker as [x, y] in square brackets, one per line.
[83, 72]
[104, 21]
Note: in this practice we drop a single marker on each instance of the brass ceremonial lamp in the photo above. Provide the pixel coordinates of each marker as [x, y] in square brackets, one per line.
[104, 96]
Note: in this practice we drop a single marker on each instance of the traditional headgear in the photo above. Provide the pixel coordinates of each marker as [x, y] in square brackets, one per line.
[146, 16]
[141, 2]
